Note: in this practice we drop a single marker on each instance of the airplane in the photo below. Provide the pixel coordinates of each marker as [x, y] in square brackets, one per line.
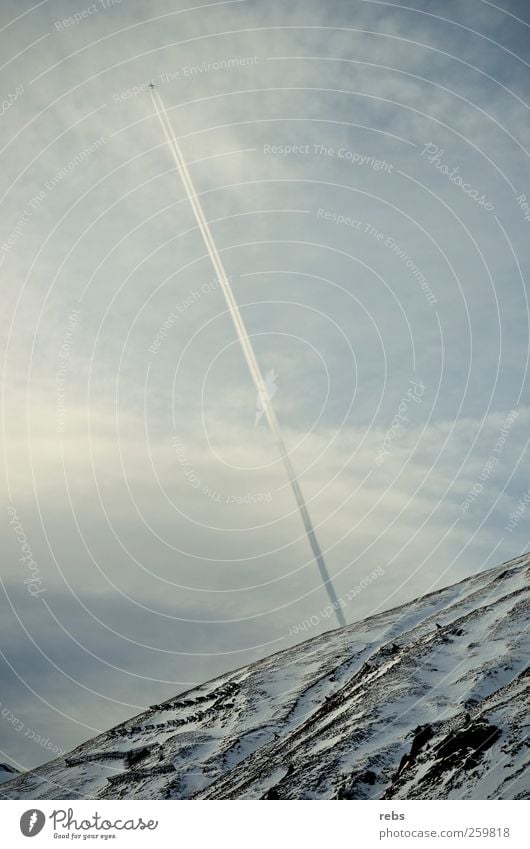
[151, 85]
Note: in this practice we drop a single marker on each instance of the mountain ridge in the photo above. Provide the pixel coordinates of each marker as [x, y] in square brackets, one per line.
[420, 701]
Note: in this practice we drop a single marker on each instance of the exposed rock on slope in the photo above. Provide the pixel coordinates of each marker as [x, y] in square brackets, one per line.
[7, 773]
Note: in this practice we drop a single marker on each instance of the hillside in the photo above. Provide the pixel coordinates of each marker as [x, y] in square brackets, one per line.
[429, 700]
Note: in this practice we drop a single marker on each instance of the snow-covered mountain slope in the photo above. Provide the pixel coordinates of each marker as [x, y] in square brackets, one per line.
[429, 700]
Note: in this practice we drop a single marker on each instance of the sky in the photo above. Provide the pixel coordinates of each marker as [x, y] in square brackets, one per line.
[364, 169]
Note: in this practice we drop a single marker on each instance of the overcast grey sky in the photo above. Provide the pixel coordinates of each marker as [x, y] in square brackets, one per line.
[364, 166]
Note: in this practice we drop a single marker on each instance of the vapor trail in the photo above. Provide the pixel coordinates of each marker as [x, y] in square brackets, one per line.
[248, 351]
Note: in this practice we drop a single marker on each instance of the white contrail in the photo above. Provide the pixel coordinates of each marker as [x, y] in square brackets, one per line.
[248, 351]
